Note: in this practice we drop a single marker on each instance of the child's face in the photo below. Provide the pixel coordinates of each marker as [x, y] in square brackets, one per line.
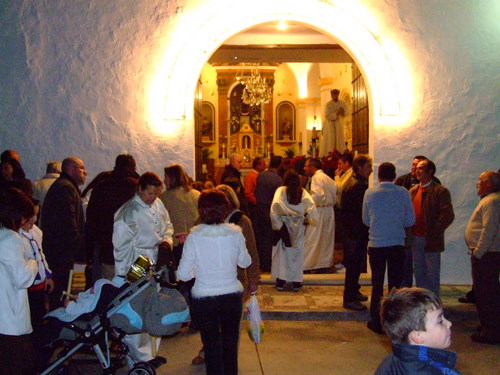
[437, 333]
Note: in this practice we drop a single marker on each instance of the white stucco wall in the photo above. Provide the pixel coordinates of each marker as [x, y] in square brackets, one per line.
[74, 78]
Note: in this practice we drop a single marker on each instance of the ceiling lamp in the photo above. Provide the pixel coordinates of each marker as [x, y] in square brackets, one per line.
[257, 91]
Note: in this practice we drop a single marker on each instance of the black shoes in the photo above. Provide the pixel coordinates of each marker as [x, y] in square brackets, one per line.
[296, 286]
[157, 361]
[375, 327]
[280, 285]
[477, 337]
[354, 305]
[361, 297]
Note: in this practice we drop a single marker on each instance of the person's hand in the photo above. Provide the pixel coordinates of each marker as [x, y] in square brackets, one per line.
[48, 285]
[340, 112]
[181, 237]
[165, 255]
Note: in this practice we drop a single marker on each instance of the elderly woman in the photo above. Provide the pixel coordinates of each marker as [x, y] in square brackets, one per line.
[16, 274]
[291, 206]
[212, 252]
[142, 226]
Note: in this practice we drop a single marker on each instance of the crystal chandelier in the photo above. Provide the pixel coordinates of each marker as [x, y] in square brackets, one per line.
[257, 91]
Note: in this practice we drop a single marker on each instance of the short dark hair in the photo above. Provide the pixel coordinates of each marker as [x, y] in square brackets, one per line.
[125, 161]
[316, 163]
[149, 179]
[15, 206]
[360, 161]
[256, 162]
[346, 157]
[430, 167]
[213, 206]
[387, 171]
[421, 157]
[334, 91]
[276, 161]
[176, 176]
[405, 310]
[8, 154]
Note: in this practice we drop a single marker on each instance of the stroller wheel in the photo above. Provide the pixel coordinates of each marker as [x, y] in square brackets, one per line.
[142, 368]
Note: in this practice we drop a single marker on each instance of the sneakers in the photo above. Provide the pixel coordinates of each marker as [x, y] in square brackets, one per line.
[354, 305]
[296, 286]
[280, 285]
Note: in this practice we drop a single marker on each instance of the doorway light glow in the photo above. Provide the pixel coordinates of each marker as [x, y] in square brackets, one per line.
[301, 72]
[201, 28]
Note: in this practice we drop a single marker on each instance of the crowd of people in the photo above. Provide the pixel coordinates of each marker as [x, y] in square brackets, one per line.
[223, 237]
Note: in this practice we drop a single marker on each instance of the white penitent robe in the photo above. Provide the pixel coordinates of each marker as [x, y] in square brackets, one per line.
[288, 262]
[333, 129]
[320, 239]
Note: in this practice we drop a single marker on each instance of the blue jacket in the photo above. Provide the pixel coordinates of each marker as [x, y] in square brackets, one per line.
[415, 360]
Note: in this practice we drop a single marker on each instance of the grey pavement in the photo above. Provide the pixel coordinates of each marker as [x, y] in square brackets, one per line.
[309, 332]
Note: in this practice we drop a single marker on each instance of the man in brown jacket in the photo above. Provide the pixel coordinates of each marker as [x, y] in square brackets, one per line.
[433, 214]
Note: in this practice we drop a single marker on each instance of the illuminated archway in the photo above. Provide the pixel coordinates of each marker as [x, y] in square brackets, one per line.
[356, 30]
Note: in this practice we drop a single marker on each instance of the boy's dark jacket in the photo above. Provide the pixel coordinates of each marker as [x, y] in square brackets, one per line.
[418, 360]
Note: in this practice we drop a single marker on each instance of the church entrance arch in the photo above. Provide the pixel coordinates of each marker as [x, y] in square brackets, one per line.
[178, 80]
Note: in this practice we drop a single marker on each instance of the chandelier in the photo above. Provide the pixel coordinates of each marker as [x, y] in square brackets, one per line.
[257, 91]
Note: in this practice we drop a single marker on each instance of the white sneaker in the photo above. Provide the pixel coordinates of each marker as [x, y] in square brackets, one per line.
[339, 268]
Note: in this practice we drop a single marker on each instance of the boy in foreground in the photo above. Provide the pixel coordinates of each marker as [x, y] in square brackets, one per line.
[413, 319]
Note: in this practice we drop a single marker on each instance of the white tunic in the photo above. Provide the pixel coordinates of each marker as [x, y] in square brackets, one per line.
[288, 262]
[139, 229]
[333, 129]
[16, 275]
[320, 238]
[33, 249]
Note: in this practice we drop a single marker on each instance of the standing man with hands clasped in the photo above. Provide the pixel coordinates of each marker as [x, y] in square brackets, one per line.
[483, 240]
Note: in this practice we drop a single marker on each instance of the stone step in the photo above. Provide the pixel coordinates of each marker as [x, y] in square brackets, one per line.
[321, 299]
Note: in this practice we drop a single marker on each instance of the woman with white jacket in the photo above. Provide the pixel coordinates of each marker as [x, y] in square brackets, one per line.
[212, 253]
[16, 274]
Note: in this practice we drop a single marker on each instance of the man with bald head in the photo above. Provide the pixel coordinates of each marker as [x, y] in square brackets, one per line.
[482, 236]
[62, 224]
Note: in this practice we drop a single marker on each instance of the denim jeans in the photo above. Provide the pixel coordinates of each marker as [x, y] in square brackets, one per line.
[354, 256]
[426, 266]
[218, 319]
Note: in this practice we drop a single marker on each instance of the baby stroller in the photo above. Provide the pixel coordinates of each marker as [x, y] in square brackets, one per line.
[137, 306]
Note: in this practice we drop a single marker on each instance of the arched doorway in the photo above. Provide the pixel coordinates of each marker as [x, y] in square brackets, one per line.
[175, 72]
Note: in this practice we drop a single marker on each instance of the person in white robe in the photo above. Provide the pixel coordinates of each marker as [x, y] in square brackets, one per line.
[333, 129]
[320, 238]
[291, 206]
[142, 227]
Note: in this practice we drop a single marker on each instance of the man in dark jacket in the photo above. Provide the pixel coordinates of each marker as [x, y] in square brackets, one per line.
[107, 196]
[354, 231]
[62, 225]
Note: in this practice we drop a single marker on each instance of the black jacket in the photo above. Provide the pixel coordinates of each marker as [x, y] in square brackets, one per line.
[352, 208]
[418, 360]
[63, 221]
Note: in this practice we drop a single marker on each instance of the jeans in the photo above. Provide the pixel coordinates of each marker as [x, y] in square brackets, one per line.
[407, 281]
[394, 257]
[426, 266]
[218, 319]
[354, 255]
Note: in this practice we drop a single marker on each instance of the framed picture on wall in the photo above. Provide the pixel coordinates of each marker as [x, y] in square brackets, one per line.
[208, 122]
[285, 122]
